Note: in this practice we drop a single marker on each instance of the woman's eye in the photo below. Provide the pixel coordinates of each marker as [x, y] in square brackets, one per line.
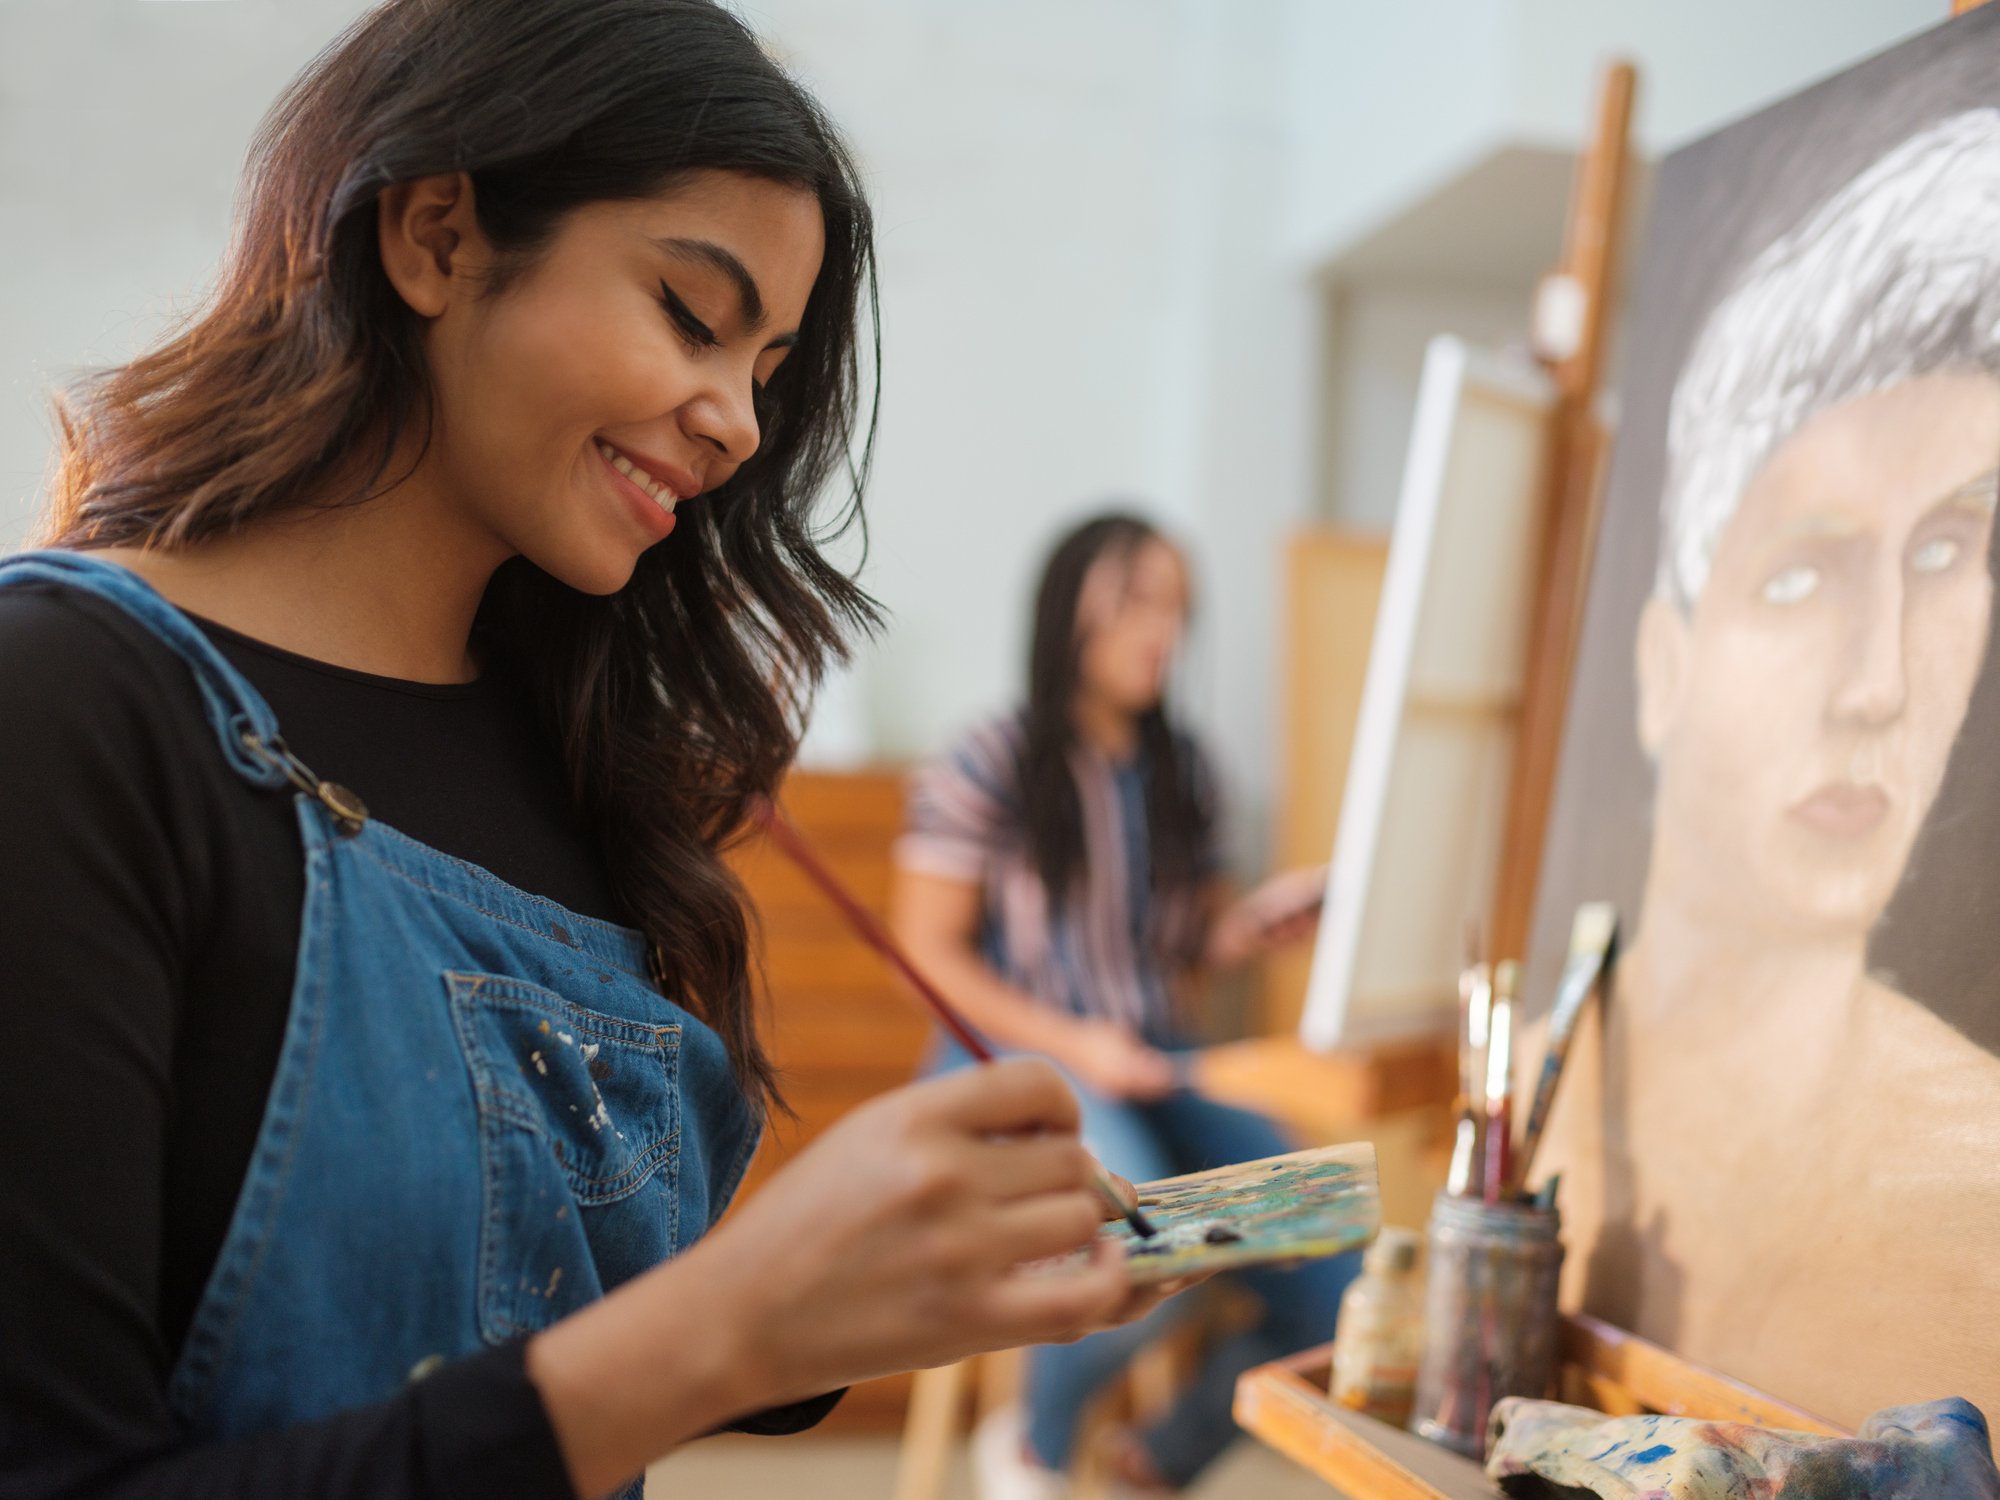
[1935, 555]
[1793, 585]
[691, 328]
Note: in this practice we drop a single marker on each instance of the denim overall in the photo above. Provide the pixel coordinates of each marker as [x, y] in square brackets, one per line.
[484, 1115]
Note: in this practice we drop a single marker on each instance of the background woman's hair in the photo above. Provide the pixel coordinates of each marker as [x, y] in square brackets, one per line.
[1177, 818]
[676, 700]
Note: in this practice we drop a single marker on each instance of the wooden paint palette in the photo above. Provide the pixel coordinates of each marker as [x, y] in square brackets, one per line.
[1304, 1206]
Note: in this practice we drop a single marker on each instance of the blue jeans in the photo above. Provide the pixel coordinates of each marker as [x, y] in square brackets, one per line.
[1183, 1132]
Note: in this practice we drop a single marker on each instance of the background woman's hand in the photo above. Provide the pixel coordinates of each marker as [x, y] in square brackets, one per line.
[1283, 910]
[1110, 1059]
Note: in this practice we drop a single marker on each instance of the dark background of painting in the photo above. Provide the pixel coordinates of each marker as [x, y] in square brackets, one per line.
[1717, 203]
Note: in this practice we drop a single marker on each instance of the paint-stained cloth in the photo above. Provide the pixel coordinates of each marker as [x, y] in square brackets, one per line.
[1542, 1450]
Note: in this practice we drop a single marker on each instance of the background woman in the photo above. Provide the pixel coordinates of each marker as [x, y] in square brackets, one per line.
[379, 992]
[1061, 878]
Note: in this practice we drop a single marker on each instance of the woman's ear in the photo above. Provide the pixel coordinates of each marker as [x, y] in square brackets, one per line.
[429, 236]
[1661, 661]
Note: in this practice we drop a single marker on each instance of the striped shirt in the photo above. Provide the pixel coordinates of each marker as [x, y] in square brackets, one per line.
[1114, 950]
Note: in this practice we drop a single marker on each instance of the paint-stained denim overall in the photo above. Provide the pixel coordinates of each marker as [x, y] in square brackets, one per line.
[484, 1114]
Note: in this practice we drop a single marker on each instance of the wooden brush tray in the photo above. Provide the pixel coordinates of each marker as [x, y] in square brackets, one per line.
[1285, 1405]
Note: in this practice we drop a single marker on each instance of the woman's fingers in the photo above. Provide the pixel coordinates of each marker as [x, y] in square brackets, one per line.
[1139, 1301]
[1127, 1194]
[1038, 1306]
[1023, 1166]
[1033, 1229]
[1014, 1096]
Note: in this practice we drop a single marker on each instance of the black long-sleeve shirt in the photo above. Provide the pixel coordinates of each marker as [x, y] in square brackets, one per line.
[149, 915]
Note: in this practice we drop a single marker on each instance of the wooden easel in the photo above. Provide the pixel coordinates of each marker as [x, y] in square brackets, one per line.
[1573, 311]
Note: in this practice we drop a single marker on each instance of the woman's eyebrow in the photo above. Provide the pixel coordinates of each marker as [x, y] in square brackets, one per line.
[716, 258]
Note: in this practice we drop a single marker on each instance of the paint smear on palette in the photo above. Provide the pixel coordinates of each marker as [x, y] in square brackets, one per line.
[1304, 1206]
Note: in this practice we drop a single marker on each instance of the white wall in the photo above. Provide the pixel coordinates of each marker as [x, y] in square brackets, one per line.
[122, 126]
[1390, 99]
[1101, 222]
[1704, 62]
[1378, 335]
[1079, 303]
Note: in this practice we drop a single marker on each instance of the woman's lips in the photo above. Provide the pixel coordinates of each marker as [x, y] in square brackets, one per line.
[655, 513]
[1843, 809]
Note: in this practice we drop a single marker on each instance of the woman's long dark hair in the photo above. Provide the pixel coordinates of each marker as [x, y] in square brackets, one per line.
[678, 700]
[1177, 819]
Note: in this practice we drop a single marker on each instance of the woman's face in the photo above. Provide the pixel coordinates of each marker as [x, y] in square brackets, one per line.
[614, 379]
[1130, 615]
[1803, 716]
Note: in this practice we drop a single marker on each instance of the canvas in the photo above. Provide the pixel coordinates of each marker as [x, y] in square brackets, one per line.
[1781, 1139]
[1420, 823]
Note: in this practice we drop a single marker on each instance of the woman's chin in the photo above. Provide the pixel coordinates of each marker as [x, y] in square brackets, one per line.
[601, 570]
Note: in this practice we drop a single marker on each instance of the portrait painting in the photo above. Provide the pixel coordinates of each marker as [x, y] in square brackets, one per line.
[1779, 1138]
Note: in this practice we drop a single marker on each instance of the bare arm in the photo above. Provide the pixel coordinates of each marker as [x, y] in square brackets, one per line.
[936, 919]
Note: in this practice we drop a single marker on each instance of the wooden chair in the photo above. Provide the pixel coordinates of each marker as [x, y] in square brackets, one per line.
[945, 1402]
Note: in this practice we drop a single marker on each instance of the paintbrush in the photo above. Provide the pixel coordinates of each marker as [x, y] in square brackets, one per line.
[871, 931]
[1475, 994]
[1592, 936]
[1500, 1082]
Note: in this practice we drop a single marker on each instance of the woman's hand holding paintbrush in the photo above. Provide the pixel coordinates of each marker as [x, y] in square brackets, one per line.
[1122, 1202]
[904, 1236]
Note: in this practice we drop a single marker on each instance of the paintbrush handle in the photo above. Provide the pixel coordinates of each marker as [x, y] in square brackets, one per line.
[1500, 1084]
[1141, 1225]
[1499, 1156]
[1578, 980]
[869, 928]
[1465, 1146]
[1544, 1101]
[871, 931]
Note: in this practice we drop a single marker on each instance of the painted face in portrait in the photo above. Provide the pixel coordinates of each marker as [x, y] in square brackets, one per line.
[1821, 607]
[1802, 715]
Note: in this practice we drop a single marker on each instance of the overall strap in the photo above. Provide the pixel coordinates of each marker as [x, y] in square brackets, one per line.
[243, 722]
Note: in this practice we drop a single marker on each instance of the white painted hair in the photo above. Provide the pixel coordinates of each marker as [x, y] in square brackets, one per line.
[1896, 275]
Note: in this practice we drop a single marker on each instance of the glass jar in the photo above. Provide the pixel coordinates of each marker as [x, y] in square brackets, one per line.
[1490, 1323]
[1380, 1335]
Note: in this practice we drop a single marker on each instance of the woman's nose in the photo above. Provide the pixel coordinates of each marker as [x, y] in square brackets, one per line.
[724, 421]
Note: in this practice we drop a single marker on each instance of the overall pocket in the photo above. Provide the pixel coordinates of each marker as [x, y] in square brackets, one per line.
[579, 1143]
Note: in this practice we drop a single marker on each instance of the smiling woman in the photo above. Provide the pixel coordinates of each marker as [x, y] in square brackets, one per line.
[487, 483]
